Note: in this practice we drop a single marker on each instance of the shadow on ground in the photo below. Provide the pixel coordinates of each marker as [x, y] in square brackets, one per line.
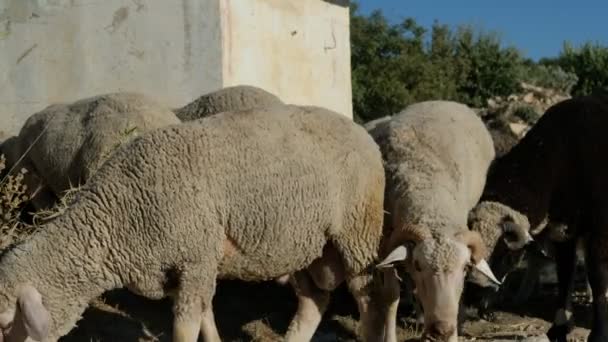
[262, 311]
[243, 312]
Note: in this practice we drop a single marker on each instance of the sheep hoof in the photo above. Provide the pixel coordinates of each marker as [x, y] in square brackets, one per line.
[559, 333]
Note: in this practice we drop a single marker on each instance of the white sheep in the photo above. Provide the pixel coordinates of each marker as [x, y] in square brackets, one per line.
[252, 195]
[436, 156]
[229, 99]
[64, 144]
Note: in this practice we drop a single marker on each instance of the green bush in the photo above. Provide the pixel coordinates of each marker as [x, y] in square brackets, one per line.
[488, 69]
[394, 65]
[590, 64]
[548, 76]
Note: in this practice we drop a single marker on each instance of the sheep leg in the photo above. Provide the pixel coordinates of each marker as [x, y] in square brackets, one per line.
[580, 248]
[487, 302]
[597, 272]
[208, 327]
[391, 293]
[530, 280]
[418, 311]
[312, 303]
[191, 309]
[565, 259]
[186, 326]
[377, 316]
[312, 287]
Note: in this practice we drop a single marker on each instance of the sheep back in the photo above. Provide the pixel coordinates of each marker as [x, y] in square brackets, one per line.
[274, 185]
[235, 98]
[70, 141]
[437, 154]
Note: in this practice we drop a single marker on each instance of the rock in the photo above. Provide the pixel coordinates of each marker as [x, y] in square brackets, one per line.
[528, 98]
[518, 128]
[532, 88]
[512, 98]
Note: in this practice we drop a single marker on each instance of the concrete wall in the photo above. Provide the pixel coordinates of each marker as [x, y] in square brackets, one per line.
[297, 49]
[175, 50]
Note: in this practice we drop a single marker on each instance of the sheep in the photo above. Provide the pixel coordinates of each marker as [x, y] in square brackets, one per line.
[542, 249]
[252, 195]
[544, 252]
[69, 141]
[377, 124]
[233, 98]
[504, 139]
[556, 172]
[436, 155]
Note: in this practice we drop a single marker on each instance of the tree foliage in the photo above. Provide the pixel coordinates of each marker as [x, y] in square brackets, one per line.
[590, 64]
[394, 65]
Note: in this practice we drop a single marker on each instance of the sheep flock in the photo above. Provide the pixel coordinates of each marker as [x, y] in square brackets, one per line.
[240, 217]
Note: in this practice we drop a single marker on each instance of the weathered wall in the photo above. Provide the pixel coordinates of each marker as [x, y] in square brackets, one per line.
[299, 50]
[175, 50]
[63, 50]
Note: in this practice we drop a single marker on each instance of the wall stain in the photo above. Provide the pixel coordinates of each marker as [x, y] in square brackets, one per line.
[26, 53]
[139, 54]
[333, 37]
[139, 5]
[7, 30]
[120, 15]
[20, 11]
[187, 34]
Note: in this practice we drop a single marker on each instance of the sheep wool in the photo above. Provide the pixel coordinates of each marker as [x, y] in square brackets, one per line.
[436, 156]
[69, 141]
[235, 98]
[252, 195]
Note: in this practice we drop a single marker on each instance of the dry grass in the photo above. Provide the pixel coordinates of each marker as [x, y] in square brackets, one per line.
[13, 196]
[58, 208]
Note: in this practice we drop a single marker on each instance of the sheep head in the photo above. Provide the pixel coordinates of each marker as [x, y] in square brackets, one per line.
[494, 221]
[505, 232]
[438, 264]
[27, 320]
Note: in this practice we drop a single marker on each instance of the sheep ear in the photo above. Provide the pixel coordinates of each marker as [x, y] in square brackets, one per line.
[33, 315]
[482, 275]
[398, 254]
[7, 317]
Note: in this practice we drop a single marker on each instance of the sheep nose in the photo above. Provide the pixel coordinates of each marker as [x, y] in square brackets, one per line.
[441, 329]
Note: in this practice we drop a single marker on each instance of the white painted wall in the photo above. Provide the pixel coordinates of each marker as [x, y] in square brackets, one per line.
[297, 49]
[176, 50]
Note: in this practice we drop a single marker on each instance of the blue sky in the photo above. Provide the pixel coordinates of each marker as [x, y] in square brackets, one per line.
[537, 27]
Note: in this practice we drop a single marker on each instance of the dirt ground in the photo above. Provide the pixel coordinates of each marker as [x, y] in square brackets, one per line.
[261, 312]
